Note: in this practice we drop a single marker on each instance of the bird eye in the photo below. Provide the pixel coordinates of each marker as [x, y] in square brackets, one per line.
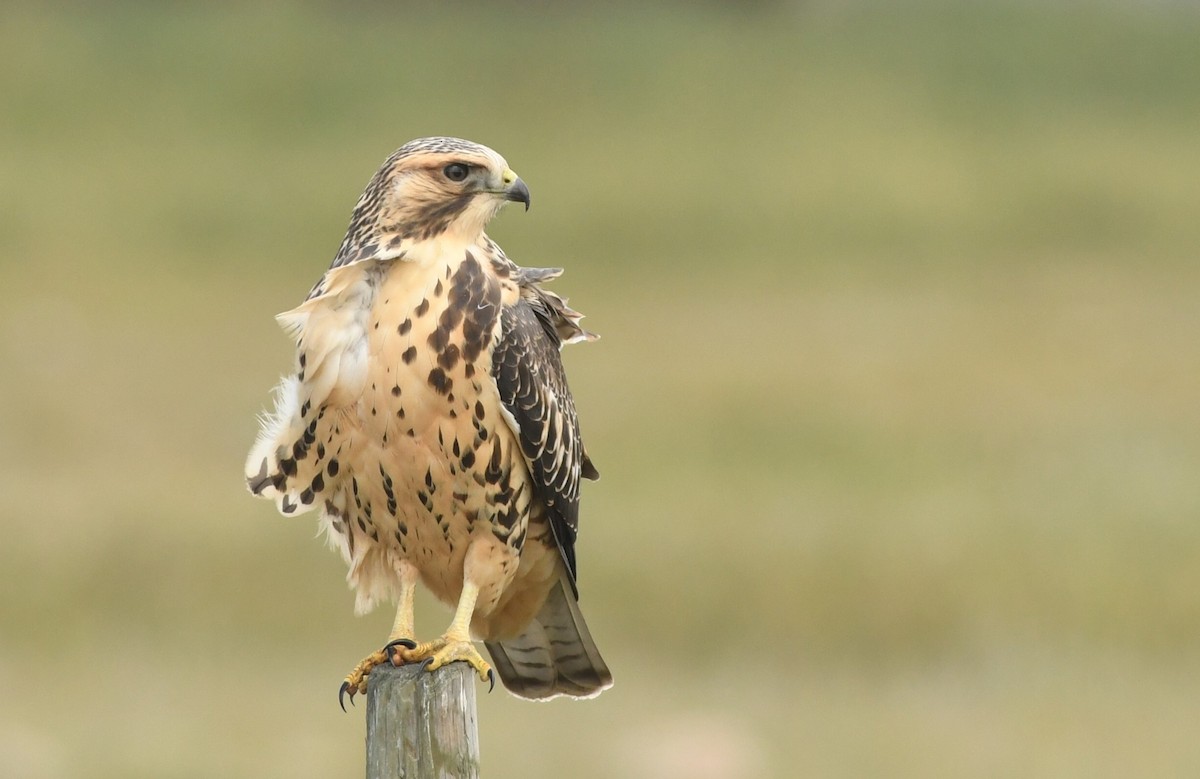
[455, 171]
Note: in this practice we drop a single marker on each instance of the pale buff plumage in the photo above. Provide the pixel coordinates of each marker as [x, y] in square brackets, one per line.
[425, 458]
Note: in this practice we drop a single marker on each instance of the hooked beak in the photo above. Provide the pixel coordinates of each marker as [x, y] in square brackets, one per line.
[515, 189]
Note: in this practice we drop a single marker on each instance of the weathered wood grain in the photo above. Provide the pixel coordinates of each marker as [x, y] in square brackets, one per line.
[422, 725]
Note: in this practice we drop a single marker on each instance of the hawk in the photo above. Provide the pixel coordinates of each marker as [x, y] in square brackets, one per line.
[429, 423]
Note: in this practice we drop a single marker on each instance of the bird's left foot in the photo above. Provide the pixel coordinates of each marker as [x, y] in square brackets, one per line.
[434, 654]
[356, 680]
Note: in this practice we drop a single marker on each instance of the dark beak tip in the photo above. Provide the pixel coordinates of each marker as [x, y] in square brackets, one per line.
[518, 193]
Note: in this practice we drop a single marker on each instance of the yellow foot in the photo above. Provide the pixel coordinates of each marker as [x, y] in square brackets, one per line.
[356, 680]
[440, 651]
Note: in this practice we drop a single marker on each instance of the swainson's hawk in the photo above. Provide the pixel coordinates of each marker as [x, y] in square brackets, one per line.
[429, 422]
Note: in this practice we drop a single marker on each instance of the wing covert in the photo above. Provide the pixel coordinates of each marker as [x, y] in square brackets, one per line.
[529, 374]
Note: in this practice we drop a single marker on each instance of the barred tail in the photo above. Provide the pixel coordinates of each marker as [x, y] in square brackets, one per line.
[555, 655]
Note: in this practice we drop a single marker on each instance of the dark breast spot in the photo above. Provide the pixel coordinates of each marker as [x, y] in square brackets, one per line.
[439, 339]
[475, 298]
[449, 356]
[440, 382]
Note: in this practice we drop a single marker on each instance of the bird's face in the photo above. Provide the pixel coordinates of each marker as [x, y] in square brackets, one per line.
[446, 187]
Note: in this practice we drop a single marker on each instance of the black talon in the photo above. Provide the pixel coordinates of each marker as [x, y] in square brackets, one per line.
[407, 643]
[491, 680]
[425, 663]
[342, 695]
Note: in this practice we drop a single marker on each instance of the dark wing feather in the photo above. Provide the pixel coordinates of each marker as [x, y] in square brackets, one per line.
[533, 387]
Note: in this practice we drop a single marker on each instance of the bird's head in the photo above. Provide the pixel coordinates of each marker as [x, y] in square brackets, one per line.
[430, 188]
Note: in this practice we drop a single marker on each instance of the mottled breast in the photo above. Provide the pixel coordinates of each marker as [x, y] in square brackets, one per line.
[435, 464]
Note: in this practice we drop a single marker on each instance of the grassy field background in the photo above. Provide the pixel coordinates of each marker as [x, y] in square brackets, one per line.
[896, 403]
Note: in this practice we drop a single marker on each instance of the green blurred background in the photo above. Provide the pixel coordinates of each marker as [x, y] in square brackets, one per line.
[896, 403]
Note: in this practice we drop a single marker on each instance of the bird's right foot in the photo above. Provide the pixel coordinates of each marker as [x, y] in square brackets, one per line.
[356, 680]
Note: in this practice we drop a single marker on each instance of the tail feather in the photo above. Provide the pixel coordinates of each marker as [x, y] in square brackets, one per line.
[555, 655]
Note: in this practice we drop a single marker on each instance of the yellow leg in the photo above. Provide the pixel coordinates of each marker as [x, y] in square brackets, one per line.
[401, 635]
[455, 644]
[403, 626]
[460, 626]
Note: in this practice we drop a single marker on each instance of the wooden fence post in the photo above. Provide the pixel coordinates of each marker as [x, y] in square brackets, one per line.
[422, 725]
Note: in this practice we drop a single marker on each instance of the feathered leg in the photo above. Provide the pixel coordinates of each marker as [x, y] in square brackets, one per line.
[484, 564]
